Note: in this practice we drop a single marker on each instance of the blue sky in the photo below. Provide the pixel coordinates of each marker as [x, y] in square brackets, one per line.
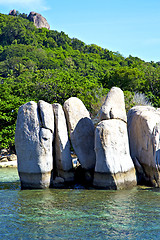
[130, 27]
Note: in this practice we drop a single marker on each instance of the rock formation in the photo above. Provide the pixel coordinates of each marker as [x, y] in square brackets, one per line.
[63, 159]
[38, 20]
[114, 105]
[144, 139]
[13, 12]
[81, 131]
[7, 158]
[33, 142]
[103, 154]
[114, 167]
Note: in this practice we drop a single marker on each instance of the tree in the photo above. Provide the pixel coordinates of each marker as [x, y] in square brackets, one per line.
[130, 79]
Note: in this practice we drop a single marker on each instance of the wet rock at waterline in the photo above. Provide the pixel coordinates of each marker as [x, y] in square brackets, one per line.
[63, 159]
[144, 139]
[33, 142]
[81, 131]
[114, 167]
[114, 106]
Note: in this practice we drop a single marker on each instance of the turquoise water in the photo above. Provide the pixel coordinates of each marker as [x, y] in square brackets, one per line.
[76, 214]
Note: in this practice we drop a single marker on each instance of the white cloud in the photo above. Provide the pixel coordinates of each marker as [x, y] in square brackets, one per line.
[31, 5]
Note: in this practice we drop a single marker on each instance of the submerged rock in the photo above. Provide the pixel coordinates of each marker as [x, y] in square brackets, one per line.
[33, 142]
[144, 140]
[114, 106]
[63, 159]
[81, 131]
[114, 167]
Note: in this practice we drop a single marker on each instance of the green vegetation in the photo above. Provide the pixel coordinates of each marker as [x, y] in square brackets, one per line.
[45, 64]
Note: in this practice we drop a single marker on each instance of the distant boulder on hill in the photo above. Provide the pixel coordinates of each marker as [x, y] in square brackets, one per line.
[38, 20]
[13, 12]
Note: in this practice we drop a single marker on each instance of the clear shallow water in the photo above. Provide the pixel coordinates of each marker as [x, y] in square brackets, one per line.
[76, 214]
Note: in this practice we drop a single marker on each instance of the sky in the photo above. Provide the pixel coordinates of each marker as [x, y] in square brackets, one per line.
[130, 27]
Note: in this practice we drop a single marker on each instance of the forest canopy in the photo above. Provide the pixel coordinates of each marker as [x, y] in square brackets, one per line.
[49, 65]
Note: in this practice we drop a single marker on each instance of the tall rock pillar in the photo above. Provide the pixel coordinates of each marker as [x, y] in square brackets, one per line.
[33, 142]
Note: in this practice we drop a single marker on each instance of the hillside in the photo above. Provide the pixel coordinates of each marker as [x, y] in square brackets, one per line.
[37, 63]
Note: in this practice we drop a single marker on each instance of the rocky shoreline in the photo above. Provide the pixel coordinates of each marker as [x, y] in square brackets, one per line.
[44, 136]
[7, 159]
[120, 152]
[8, 164]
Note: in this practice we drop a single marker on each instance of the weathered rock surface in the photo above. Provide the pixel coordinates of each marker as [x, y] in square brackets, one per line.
[38, 20]
[46, 115]
[33, 142]
[4, 159]
[114, 106]
[63, 157]
[144, 139]
[114, 167]
[12, 157]
[81, 132]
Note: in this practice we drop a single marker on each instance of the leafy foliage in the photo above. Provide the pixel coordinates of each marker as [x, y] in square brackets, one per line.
[45, 64]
